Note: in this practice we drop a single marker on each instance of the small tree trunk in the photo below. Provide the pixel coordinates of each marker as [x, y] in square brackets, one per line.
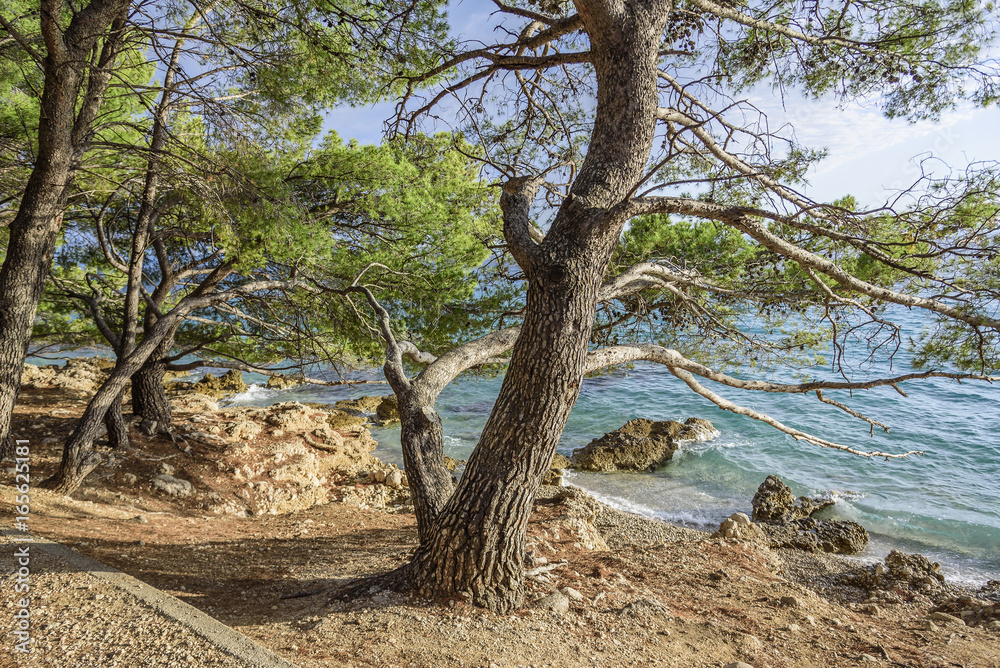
[422, 440]
[115, 423]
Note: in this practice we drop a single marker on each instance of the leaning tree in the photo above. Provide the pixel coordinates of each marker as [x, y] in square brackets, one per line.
[600, 112]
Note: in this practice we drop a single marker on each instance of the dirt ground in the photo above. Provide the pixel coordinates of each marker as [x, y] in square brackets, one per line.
[660, 596]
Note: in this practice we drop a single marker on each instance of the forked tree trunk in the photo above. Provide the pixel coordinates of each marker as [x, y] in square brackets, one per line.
[78, 457]
[64, 127]
[476, 544]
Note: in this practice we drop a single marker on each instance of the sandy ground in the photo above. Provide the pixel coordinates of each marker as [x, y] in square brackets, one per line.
[659, 595]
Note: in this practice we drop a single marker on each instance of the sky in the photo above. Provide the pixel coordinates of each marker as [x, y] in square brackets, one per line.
[869, 156]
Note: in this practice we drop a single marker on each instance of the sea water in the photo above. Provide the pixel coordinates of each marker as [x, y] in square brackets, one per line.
[943, 504]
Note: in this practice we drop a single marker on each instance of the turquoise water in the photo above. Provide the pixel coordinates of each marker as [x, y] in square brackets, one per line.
[943, 505]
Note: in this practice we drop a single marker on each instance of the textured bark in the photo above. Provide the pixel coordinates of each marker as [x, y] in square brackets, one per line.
[63, 133]
[149, 399]
[114, 422]
[422, 439]
[475, 545]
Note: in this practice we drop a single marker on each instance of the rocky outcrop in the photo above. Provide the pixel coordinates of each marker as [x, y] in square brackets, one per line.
[899, 571]
[834, 536]
[362, 406]
[388, 410]
[787, 522]
[774, 502]
[80, 374]
[554, 475]
[739, 527]
[282, 382]
[210, 385]
[640, 445]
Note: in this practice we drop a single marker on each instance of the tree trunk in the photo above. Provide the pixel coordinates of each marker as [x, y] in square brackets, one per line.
[149, 398]
[115, 423]
[422, 440]
[63, 131]
[475, 545]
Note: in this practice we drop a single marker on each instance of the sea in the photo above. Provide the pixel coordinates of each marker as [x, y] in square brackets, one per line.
[944, 504]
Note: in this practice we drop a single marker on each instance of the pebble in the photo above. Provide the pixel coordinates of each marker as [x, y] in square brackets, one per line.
[868, 658]
[556, 602]
[572, 594]
[790, 601]
[738, 664]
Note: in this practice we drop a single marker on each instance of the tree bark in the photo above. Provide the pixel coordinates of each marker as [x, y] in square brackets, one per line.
[475, 545]
[114, 422]
[149, 398]
[64, 129]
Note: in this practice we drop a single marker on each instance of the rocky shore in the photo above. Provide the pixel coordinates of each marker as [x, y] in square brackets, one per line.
[256, 515]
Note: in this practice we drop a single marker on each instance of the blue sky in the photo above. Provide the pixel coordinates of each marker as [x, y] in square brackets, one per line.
[869, 155]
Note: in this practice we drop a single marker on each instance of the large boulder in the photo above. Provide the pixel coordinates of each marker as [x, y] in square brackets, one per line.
[834, 536]
[774, 502]
[388, 409]
[639, 445]
[228, 383]
[899, 572]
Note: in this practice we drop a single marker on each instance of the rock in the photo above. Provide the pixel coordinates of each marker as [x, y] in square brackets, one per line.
[944, 617]
[868, 658]
[900, 571]
[928, 625]
[129, 479]
[556, 602]
[774, 502]
[639, 445]
[167, 469]
[573, 594]
[833, 536]
[172, 486]
[282, 382]
[228, 383]
[738, 664]
[193, 402]
[81, 374]
[697, 429]
[554, 476]
[388, 409]
[790, 601]
[338, 419]
[739, 527]
[394, 479]
[245, 430]
[361, 406]
[452, 464]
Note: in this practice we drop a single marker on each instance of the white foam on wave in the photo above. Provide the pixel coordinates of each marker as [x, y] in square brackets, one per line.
[254, 395]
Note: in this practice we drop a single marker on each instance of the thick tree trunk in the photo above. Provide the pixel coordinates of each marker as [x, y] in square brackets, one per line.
[475, 545]
[64, 127]
[149, 398]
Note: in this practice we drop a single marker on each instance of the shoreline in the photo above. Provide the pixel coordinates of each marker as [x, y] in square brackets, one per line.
[647, 588]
